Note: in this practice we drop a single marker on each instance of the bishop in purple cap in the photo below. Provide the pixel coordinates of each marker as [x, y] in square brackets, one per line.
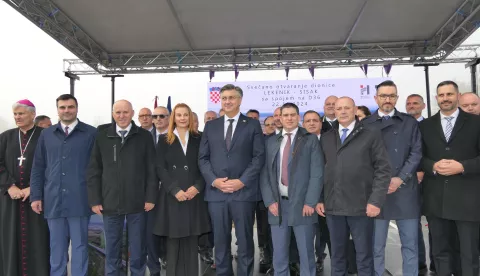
[23, 233]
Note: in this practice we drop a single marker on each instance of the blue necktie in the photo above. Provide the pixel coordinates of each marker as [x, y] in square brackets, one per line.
[386, 117]
[344, 135]
[123, 132]
[448, 128]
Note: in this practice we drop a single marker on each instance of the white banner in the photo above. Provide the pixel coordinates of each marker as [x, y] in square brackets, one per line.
[266, 96]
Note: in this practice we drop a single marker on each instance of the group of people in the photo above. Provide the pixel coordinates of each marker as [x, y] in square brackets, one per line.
[180, 190]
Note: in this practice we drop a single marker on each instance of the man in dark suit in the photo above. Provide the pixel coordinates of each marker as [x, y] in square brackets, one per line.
[451, 162]
[404, 146]
[291, 184]
[357, 176]
[329, 113]
[232, 153]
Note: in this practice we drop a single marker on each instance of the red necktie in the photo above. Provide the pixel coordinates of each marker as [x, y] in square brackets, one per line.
[285, 157]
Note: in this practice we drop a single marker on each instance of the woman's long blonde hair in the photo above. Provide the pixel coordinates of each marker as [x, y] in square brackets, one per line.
[172, 125]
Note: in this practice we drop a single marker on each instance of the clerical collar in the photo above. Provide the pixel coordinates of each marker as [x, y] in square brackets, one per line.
[28, 131]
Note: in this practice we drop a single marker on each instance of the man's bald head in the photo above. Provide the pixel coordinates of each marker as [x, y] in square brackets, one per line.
[145, 118]
[122, 113]
[470, 102]
[329, 107]
[161, 109]
[345, 111]
[209, 115]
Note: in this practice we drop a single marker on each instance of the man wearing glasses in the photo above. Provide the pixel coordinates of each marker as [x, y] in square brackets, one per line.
[160, 119]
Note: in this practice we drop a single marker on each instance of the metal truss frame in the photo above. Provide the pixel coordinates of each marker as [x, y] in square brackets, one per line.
[47, 16]
[462, 54]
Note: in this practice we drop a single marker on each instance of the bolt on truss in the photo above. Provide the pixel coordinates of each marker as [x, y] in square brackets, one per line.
[49, 18]
[462, 54]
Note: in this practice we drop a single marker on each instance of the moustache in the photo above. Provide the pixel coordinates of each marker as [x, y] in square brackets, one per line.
[446, 102]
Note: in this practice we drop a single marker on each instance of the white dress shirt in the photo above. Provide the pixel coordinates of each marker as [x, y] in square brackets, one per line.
[444, 121]
[350, 129]
[282, 188]
[420, 119]
[330, 121]
[318, 136]
[227, 123]
[127, 129]
[184, 147]
[277, 131]
[381, 114]
[70, 126]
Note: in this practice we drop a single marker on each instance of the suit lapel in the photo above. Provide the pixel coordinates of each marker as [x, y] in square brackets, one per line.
[350, 137]
[458, 124]
[242, 122]
[221, 131]
[437, 124]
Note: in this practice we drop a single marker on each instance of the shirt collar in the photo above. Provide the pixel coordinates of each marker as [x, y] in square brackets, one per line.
[420, 119]
[70, 126]
[381, 114]
[175, 131]
[350, 127]
[234, 117]
[293, 132]
[160, 133]
[454, 115]
[127, 129]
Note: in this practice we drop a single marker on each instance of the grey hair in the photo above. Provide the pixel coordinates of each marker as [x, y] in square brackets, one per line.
[29, 108]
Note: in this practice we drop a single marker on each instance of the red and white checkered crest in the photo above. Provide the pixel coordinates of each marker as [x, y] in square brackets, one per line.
[215, 96]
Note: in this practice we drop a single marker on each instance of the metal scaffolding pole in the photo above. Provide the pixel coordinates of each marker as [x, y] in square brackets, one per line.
[112, 77]
[72, 78]
[427, 83]
[473, 73]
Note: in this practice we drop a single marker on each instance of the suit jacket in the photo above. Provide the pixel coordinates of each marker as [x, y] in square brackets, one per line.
[177, 172]
[243, 161]
[305, 176]
[357, 172]
[402, 139]
[326, 126]
[454, 197]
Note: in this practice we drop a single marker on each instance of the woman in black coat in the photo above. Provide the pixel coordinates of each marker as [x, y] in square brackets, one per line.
[182, 214]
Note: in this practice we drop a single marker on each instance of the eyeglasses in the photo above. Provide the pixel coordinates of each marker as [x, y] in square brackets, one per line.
[144, 116]
[384, 97]
[267, 125]
[161, 116]
[230, 98]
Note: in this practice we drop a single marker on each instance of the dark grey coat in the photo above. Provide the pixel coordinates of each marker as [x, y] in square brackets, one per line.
[357, 172]
[402, 139]
[305, 177]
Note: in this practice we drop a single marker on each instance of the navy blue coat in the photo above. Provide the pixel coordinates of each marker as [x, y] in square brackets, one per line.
[59, 171]
[401, 136]
[243, 161]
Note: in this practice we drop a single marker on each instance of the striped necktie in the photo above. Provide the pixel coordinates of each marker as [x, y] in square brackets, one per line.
[448, 128]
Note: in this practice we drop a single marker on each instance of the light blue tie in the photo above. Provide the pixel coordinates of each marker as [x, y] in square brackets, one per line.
[344, 135]
[448, 128]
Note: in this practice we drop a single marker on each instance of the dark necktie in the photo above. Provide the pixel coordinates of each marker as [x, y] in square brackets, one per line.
[285, 157]
[386, 118]
[123, 132]
[66, 131]
[228, 137]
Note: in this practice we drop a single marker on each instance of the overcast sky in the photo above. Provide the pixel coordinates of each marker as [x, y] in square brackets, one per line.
[32, 67]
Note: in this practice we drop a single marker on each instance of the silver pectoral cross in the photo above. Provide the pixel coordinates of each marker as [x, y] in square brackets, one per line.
[20, 160]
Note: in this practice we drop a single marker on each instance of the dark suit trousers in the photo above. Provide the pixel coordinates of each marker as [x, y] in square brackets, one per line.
[322, 238]
[444, 234]
[263, 229]
[182, 258]
[361, 229]
[153, 244]
[242, 213]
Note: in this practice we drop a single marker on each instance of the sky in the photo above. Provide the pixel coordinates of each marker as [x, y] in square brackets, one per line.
[33, 68]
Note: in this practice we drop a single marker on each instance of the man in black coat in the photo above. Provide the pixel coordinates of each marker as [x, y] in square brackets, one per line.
[122, 183]
[451, 162]
[356, 179]
[329, 119]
